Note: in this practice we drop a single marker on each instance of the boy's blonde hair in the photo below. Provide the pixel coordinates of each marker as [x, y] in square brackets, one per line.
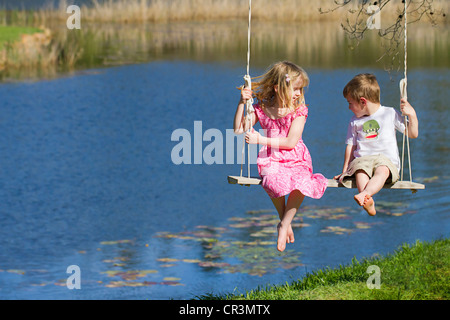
[281, 74]
[364, 85]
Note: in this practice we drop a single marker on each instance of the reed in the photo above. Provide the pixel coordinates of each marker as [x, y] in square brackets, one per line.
[135, 11]
[315, 44]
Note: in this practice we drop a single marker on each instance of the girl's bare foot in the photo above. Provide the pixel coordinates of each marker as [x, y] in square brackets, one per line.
[290, 235]
[369, 205]
[282, 237]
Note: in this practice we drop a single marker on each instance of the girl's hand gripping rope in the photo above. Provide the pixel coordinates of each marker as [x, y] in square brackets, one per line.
[246, 94]
[252, 136]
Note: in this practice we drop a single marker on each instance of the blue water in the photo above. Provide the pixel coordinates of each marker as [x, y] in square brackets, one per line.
[38, 4]
[86, 158]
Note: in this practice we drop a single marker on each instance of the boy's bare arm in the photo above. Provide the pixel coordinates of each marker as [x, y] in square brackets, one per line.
[413, 123]
[348, 157]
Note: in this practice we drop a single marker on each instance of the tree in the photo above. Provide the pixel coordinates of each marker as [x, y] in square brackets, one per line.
[365, 15]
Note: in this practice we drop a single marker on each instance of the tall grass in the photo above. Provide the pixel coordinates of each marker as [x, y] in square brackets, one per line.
[315, 44]
[167, 27]
[133, 11]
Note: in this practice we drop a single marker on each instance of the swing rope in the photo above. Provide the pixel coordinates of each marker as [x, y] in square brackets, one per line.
[248, 84]
[403, 93]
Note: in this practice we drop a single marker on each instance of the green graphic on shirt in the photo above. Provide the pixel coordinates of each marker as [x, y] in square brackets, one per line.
[370, 129]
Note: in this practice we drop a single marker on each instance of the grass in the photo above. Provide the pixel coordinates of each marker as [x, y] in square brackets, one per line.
[31, 50]
[417, 272]
[10, 34]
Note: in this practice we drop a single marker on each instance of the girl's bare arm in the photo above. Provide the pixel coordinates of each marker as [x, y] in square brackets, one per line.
[289, 142]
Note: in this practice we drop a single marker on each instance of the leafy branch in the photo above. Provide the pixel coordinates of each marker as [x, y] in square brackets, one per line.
[359, 12]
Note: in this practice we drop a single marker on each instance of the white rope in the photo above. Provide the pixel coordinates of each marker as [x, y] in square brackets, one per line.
[248, 84]
[404, 95]
[248, 34]
[406, 46]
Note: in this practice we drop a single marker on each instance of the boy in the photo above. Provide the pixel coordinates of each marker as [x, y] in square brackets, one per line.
[372, 154]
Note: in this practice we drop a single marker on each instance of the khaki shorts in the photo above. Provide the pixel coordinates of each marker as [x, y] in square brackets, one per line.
[368, 164]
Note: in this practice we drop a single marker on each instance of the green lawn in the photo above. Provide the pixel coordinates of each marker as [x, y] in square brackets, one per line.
[418, 272]
[13, 33]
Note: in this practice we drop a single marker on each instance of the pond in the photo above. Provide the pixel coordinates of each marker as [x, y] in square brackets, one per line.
[88, 179]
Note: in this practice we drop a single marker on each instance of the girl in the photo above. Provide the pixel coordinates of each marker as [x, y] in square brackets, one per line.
[284, 162]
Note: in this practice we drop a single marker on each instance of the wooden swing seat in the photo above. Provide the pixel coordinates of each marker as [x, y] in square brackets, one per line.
[245, 181]
[332, 183]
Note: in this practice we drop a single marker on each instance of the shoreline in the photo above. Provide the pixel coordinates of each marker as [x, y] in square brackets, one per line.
[105, 45]
[413, 272]
[25, 47]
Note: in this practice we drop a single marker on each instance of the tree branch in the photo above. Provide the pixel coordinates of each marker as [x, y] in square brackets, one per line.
[393, 35]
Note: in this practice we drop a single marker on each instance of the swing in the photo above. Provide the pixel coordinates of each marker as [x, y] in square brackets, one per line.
[332, 183]
[401, 184]
[242, 180]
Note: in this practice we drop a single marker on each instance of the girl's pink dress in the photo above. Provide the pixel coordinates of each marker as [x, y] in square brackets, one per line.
[285, 170]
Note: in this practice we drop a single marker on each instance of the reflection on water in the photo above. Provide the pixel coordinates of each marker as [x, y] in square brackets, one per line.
[315, 44]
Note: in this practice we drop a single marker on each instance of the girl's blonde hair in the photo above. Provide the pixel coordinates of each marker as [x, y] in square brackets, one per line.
[281, 74]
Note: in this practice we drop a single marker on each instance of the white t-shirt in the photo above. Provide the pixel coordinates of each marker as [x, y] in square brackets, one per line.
[375, 134]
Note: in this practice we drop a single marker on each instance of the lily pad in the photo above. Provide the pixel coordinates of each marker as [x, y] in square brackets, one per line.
[171, 279]
[220, 229]
[362, 225]
[118, 284]
[167, 260]
[171, 283]
[337, 230]
[300, 225]
[115, 242]
[207, 264]
[16, 271]
[191, 260]
[173, 235]
[430, 179]
[129, 275]
[259, 211]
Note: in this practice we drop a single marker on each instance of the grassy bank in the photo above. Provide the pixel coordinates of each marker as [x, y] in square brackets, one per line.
[25, 47]
[11, 34]
[29, 51]
[418, 272]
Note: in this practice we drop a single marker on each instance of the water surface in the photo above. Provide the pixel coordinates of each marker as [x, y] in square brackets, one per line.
[88, 180]
[87, 177]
